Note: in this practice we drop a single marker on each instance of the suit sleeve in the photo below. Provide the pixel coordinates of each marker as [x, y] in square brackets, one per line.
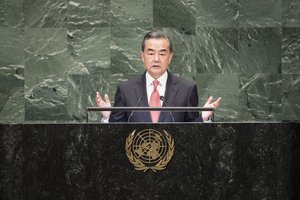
[118, 116]
[193, 102]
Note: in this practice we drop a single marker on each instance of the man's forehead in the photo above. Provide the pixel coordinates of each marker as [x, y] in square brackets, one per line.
[160, 44]
[151, 40]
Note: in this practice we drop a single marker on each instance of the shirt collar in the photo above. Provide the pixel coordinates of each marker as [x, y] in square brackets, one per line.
[162, 79]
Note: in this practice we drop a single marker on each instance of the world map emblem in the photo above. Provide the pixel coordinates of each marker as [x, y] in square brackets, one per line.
[149, 149]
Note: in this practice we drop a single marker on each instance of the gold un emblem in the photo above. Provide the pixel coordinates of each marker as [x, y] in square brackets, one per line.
[149, 149]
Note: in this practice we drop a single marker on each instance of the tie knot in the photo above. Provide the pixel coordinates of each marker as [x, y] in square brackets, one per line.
[155, 83]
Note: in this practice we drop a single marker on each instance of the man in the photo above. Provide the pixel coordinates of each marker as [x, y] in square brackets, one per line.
[156, 87]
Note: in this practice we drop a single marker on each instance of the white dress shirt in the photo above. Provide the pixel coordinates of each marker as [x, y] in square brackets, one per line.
[161, 87]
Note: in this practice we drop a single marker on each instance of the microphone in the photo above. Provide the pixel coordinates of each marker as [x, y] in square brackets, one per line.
[162, 98]
[137, 103]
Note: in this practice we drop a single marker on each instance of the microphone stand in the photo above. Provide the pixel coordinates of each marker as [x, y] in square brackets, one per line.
[138, 102]
[163, 102]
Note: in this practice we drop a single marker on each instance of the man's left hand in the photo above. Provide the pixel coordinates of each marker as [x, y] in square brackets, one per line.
[206, 115]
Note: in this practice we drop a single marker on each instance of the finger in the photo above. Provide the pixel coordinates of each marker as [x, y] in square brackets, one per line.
[98, 95]
[217, 102]
[209, 100]
[98, 98]
[106, 98]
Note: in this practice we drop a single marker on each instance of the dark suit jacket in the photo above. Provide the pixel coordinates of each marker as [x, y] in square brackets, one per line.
[179, 93]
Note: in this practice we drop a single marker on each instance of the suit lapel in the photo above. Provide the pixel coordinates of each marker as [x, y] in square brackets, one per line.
[170, 94]
[140, 90]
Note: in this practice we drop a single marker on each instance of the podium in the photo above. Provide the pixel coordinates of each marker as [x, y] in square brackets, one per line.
[210, 161]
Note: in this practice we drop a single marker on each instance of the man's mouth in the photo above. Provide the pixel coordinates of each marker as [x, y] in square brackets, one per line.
[155, 66]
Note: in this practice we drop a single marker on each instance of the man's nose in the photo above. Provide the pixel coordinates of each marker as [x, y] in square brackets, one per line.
[156, 57]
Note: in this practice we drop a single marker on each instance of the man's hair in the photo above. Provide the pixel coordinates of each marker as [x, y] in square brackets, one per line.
[156, 34]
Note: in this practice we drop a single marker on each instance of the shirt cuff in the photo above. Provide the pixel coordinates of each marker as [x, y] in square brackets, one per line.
[105, 121]
[208, 121]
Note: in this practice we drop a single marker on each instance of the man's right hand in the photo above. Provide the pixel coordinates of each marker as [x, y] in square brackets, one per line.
[102, 103]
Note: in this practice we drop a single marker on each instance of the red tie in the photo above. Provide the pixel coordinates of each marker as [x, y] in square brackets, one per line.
[155, 102]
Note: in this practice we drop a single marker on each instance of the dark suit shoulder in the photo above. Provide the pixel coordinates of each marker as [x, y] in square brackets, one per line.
[130, 82]
[181, 81]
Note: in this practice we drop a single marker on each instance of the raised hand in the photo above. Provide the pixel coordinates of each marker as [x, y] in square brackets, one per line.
[102, 103]
[210, 104]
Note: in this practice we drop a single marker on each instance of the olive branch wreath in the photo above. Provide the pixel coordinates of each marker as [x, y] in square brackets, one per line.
[140, 166]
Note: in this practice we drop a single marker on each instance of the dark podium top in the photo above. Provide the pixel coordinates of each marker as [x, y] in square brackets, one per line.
[210, 161]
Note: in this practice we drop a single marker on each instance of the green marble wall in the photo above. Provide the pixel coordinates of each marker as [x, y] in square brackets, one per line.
[55, 54]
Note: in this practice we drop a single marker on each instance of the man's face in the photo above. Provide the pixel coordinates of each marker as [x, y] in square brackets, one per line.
[156, 56]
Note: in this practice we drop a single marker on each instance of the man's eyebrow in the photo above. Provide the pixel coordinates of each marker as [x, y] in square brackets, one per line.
[162, 50]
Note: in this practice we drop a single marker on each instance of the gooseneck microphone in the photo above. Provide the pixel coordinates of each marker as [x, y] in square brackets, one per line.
[137, 103]
[162, 98]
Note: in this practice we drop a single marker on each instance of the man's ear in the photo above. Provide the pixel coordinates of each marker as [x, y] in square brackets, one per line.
[142, 56]
[171, 56]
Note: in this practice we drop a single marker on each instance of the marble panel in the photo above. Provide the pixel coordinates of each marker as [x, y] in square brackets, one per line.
[46, 98]
[90, 47]
[257, 13]
[180, 14]
[82, 93]
[183, 63]
[291, 13]
[125, 48]
[218, 13]
[11, 75]
[11, 13]
[291, 97]
[225, 86]
[76, 42]
[217, 50]
[260, 97]
[291, 50]
[11, 48]
[134, 13]
[12, 97]
[91, 13]
[260, 50]
[45, 13]
[46, 51]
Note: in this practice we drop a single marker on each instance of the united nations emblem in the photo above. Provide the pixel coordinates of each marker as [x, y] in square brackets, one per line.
[149, 149]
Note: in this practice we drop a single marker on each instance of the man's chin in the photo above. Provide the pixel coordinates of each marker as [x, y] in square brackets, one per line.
[156, 72]
[156, 69]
